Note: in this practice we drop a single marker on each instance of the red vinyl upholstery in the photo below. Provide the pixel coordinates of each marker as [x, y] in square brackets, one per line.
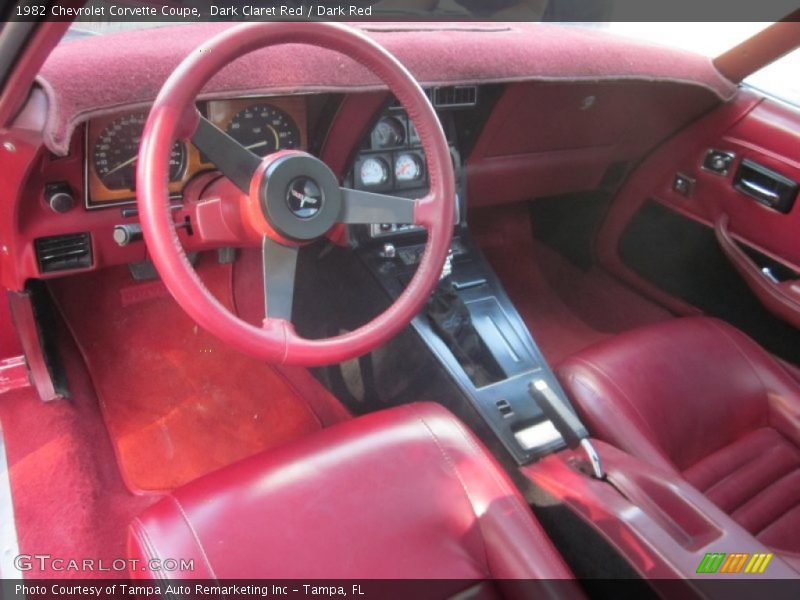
[700, 398]
[402, 493]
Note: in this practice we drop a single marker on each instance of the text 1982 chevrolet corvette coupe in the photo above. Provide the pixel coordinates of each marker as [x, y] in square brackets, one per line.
[481, 303]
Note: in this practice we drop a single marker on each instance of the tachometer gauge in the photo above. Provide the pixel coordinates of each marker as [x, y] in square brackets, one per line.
[116, 149]
[407, 167]
[388, 133]
[262, 129]
[373, 172]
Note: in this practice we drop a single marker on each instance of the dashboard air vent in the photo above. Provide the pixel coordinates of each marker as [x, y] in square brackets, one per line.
[455, 96]
[64, 252]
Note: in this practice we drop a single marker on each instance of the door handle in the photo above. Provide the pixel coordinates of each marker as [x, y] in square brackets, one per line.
[781, 298]
[759, 190]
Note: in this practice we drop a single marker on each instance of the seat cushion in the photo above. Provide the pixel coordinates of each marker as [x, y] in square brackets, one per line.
[756, 480]
[698, 397]
[402, 493]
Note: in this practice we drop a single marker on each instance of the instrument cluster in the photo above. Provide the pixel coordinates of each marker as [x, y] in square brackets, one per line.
[263, 125]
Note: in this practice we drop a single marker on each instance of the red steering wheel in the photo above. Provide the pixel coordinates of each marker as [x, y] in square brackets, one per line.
[288, 198]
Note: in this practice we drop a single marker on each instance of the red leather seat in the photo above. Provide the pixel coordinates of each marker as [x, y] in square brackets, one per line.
[402, 493]
[699, 397]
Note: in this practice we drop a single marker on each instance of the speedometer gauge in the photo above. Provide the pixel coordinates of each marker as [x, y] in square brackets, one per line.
[116, 149]
[262, 129]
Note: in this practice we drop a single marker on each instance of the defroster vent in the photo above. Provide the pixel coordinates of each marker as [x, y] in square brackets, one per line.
[64, 252]
[455, 96]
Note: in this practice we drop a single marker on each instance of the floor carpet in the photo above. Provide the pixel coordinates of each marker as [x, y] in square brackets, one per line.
[178, 403]
[565, 308]
[69, 499]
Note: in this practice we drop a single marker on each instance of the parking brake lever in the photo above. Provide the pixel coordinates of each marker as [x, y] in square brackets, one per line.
[555, 408]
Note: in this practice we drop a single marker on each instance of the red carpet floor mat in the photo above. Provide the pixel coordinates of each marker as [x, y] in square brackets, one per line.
[177, 402]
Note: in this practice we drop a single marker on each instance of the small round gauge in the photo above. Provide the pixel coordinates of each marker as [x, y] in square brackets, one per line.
[116, 149]
[407, 167]
[388, 133]
[374, 171]
[263, 129]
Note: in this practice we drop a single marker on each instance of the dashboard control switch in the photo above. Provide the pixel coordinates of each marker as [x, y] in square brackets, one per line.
[447, 267]
[125, 234]
[683, 184]
[389, 251]
[59, 197]
[718, 161]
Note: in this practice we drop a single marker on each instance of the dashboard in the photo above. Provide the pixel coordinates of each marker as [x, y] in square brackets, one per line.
[263, 125]
[75, 210]
[538, 128]
[78, 213]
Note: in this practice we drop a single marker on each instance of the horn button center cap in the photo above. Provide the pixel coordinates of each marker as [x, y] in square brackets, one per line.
[304, 197]
[300, 196]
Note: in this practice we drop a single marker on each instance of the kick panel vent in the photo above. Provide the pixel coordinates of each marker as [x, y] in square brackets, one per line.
[64, 252]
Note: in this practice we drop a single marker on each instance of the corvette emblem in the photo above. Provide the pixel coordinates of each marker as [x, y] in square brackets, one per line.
[304, 197]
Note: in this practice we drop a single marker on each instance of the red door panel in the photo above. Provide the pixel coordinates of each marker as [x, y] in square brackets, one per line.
[752, 129]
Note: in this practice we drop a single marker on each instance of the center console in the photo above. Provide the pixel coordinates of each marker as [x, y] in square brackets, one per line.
[508, 359]
[470, 324]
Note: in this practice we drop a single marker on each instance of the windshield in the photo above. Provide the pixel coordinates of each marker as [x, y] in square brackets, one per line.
[84, 29]
[779, 79]
[708, 39]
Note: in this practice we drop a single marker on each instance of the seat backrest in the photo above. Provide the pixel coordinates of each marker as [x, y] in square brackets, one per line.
[402, 493]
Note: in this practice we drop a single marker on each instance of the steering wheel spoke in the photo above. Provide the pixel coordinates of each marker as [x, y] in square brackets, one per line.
[235, 161]
[360, 207]
[279, 264]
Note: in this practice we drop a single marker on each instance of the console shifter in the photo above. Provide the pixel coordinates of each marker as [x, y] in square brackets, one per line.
[451, 320]
[555, 408]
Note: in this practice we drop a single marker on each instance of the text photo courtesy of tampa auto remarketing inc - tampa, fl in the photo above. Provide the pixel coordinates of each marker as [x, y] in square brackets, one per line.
[399, 299]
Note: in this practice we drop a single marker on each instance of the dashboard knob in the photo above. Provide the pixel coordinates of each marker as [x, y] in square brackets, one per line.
[389, 251]
[59, 197]
[125, 234]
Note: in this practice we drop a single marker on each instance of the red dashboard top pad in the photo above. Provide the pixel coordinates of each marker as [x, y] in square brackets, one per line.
[130, 68]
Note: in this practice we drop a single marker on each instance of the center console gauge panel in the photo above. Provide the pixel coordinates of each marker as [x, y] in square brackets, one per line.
[391, 157]
[391, 161]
